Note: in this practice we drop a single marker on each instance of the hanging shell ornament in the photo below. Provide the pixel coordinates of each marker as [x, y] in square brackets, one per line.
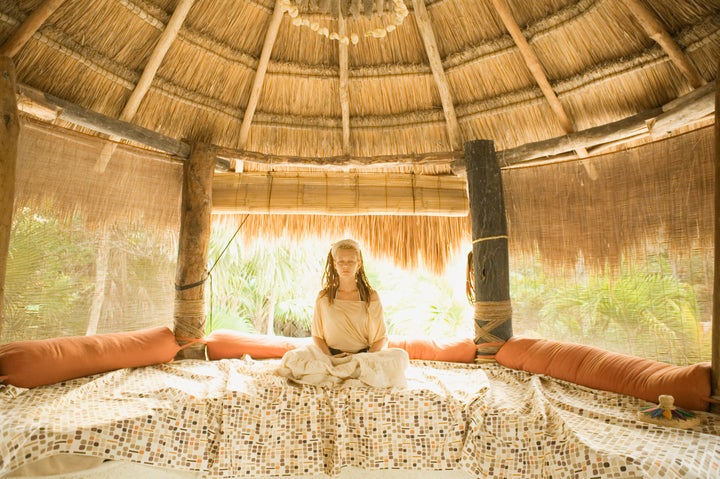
[397, 12]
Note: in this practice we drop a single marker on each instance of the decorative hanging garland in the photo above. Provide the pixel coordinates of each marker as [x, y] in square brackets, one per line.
[397, 16]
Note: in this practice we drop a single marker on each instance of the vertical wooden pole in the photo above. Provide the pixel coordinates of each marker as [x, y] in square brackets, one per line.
[493, 311]
[9, 134]
[715, 354]
[193, 249]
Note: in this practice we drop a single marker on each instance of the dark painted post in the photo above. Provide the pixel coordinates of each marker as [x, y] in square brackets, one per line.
[493, 310]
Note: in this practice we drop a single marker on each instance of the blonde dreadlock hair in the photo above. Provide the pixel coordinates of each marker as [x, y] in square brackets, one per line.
[331, 280]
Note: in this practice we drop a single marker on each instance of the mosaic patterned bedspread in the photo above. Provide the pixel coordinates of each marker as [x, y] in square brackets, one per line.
[235, 418]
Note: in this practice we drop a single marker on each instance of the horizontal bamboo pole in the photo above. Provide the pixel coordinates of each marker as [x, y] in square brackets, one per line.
[50, 108]
[336, 193]
[658, 121]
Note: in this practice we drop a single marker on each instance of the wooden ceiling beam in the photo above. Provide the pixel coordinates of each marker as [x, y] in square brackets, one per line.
[682, 111]
[422, 18]
[344, 86]
[50, 108]
[341, 163]
[259, 80]
[28, 28]
[167, 37]
[655, 30]
[538, 73]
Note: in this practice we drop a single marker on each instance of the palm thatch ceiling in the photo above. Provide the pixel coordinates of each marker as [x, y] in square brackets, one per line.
[240, 74]
[278, 92]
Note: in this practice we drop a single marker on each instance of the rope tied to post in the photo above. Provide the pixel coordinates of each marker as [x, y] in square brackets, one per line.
[492, 315]
[489, 238]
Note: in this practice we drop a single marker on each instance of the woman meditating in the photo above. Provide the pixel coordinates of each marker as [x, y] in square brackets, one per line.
[348, 330]
[348, 313]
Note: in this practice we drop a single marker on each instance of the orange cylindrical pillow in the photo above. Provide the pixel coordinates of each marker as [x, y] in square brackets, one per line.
[600, 369]
[462, 350]
[229, 344]
[34, 363]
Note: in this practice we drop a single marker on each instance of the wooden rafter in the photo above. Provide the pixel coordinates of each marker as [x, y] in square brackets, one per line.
[344, 86]
[31, 25]
[655, 30]
[431, 48]
[268, 44]
[167, 37]
[538, 73]
[533, 64]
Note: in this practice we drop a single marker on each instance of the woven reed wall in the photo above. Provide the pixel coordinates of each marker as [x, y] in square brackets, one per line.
[659, 195]
[56, 167]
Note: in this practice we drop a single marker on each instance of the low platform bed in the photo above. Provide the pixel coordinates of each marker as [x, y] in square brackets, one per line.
[230, 418]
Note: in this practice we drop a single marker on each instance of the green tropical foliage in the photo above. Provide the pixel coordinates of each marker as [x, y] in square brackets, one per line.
[641, 311]
[45, 279]
[51, 272]
[272, 288]
[261, 289]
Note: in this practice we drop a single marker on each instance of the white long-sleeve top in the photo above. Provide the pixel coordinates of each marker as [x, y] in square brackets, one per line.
[348, 325]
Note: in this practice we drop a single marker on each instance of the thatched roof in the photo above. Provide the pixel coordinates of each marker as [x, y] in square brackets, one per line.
[274, 96]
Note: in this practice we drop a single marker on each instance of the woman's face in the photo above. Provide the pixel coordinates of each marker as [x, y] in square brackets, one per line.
[347, 262]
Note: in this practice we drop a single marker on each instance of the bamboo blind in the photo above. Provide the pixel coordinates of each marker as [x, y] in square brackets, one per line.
[335, 193]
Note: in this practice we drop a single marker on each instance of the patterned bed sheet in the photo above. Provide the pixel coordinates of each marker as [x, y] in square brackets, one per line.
[236, 418]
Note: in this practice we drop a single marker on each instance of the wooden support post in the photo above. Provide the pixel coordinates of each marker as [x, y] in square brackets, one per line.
[493, 311]
[715, 353]
[193, 249]
[9, 134]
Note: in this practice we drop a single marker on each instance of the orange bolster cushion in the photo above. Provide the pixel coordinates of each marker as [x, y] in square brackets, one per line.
[228, 344]
[34, 363]
[600, 369]
[452, 350]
